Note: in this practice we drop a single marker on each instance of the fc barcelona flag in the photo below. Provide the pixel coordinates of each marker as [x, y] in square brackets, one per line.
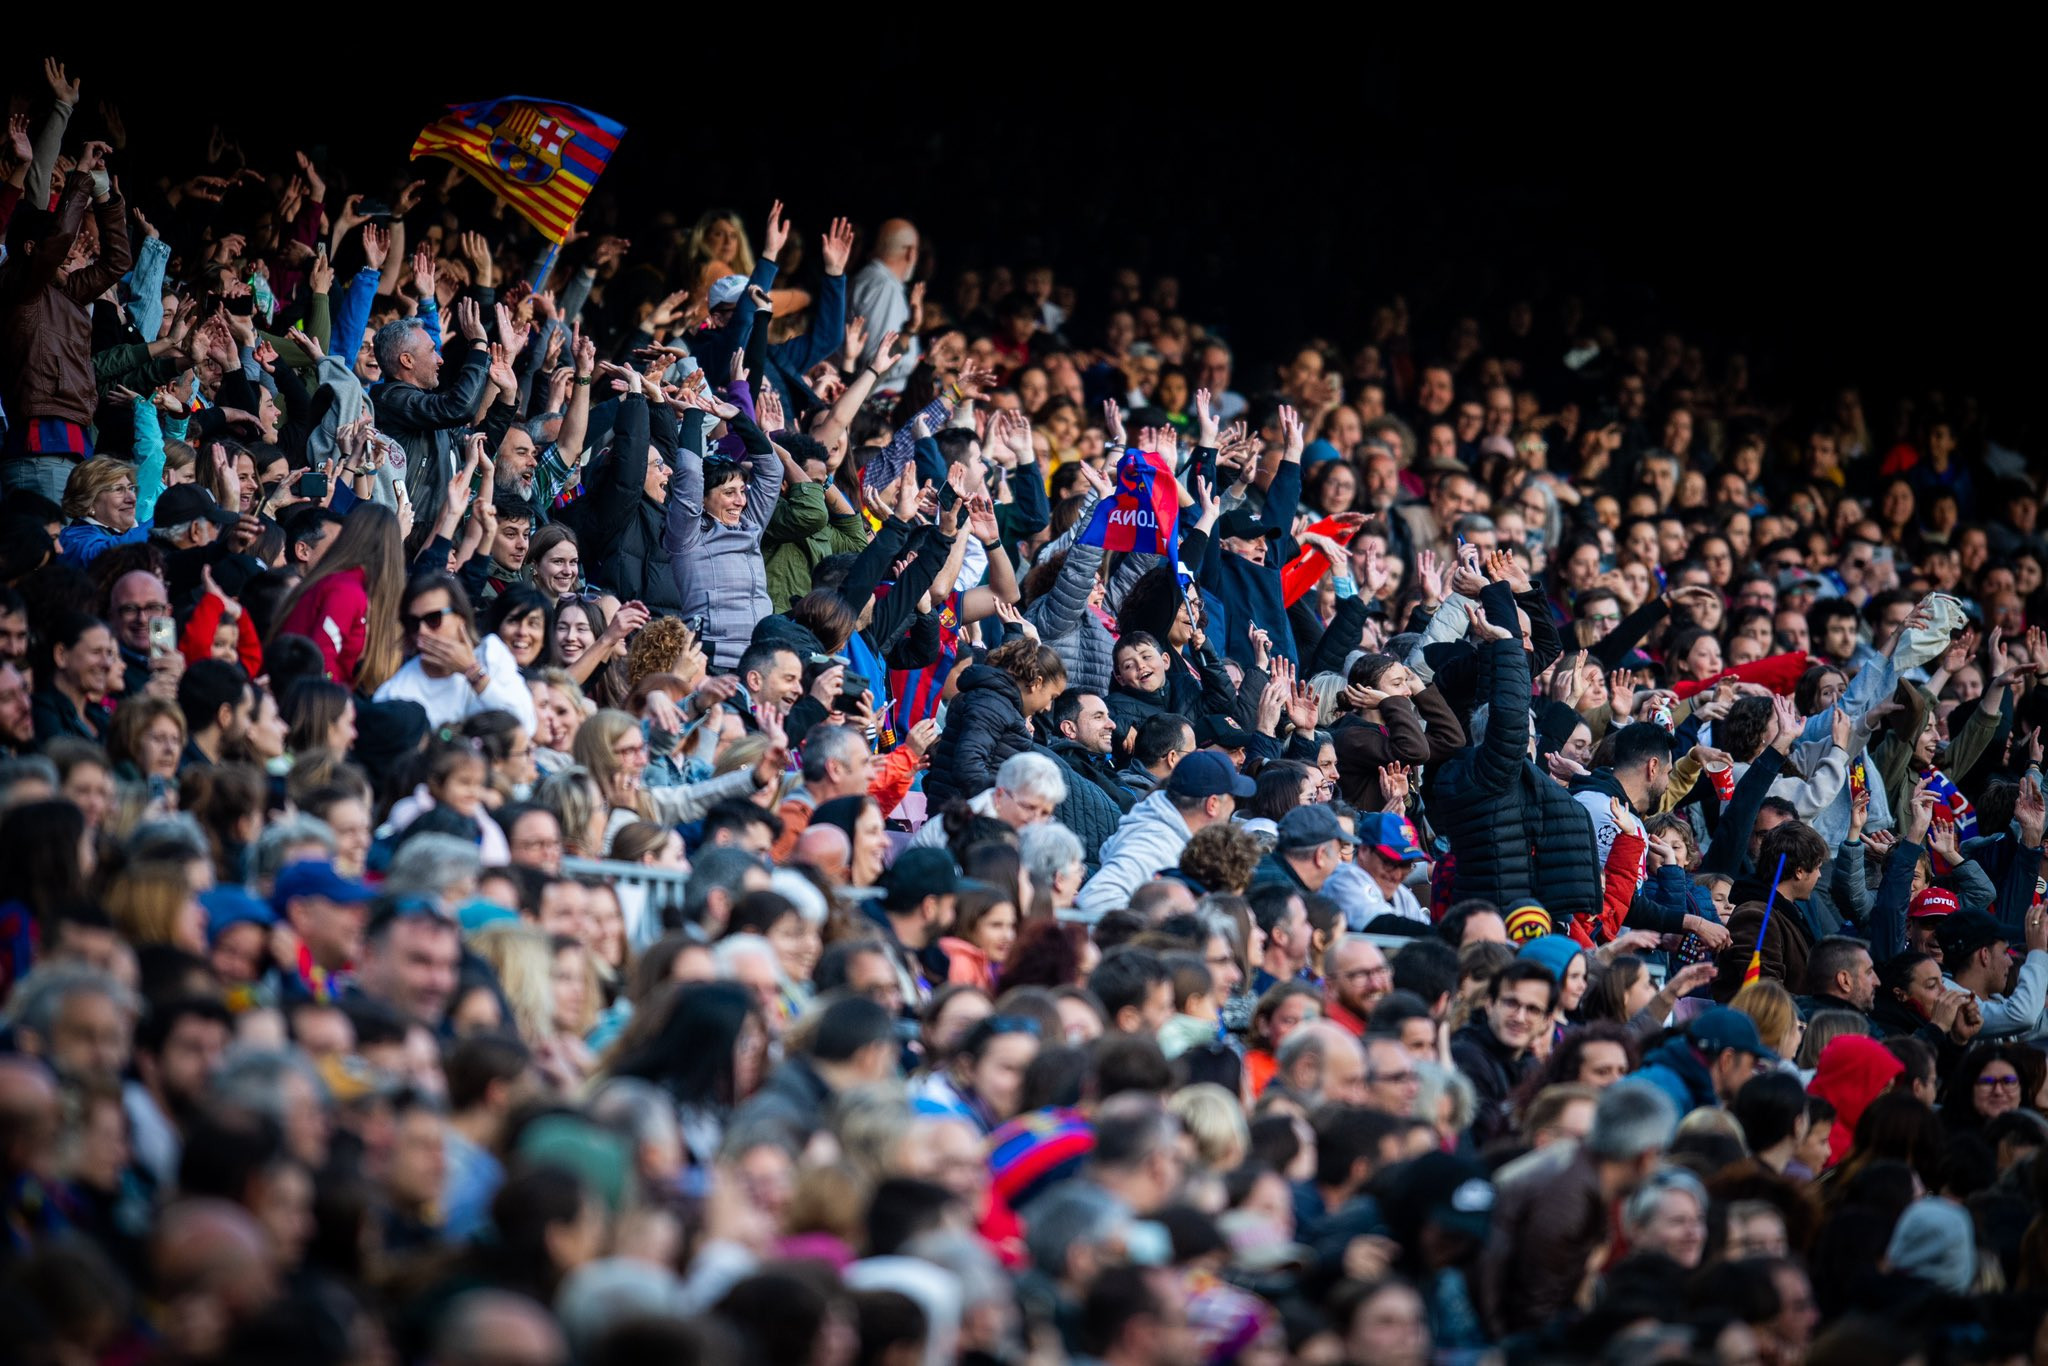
[1142, 512]
[540, 156]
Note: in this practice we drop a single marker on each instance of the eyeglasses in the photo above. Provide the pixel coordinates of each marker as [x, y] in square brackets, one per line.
[2008, 1082]
[1390, 1078]
[430, 621]
[1610, 618]
[635, 750]
[1514, 1007]
[143, 609]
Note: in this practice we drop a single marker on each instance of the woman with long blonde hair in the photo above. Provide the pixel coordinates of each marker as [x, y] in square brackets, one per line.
[348, 602]
[523, 956]
[612, 746]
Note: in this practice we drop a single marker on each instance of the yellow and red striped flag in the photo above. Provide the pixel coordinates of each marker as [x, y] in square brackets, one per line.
[1755, 970]
[541, 156]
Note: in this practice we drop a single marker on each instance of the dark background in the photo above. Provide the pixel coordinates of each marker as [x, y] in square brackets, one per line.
[1845, 214]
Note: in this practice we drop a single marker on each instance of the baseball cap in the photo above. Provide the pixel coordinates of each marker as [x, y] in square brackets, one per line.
[917, 874]
[1962, 933]
[1795, 580]
[182, 503]
[316, 877]
[1208, 774]
[1305, 827]
[1933, 902]
[1390, 835]
[1444, 1189]
[1244, 525]
[227, 907]
[1528, 919]
[1722, 1028]
[1221, 732]
[726, 290]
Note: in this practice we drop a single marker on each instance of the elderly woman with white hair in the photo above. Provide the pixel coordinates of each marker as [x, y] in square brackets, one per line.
[1056, 860]
[1028, 788]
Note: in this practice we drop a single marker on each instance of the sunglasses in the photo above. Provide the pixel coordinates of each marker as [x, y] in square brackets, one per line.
[430, 621]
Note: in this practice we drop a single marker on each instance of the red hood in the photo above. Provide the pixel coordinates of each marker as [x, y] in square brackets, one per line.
[1854, 1070]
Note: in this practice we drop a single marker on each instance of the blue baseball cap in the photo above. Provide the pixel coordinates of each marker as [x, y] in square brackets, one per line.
[227, 907]
[1206, 773]
[1723, 1027]
[1390, 835]
[316, 877]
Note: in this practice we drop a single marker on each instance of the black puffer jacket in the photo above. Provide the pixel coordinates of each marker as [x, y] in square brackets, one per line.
[984, 726]
[1514, 833]
[1089, 811]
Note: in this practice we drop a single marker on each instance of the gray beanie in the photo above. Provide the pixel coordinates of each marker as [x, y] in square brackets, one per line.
[1936, 1241]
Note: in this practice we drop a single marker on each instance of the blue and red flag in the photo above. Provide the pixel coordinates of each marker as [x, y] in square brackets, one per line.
[540, 156]
[1142, 512]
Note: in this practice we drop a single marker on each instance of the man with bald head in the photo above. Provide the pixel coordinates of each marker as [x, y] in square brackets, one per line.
[826, 848]
[30, 1123]
[880, 295]
[136, 599]
[1322, 1064]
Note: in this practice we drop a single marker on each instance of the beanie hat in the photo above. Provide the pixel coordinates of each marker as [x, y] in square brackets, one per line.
[1527, 919]
[1553, 951]
[1035, 1152]
[1936, 1241]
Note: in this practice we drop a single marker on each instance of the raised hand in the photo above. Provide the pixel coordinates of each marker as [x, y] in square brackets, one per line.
[423, 274]
[1113, 424]
[668, 310]
[889, 353]
[1290, 431]
[62, 85]
[469, 320]
[836, 247]
[1789, 723]
[1481, 627]
[1394, 786]
[501, 371]
[768, 411]
[376, 245]
[777, 232]
[476, 249]
[1205, 420]
[17, 138]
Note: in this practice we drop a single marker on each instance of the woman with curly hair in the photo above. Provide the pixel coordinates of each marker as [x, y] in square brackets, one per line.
[664, 646]
[1221, 858]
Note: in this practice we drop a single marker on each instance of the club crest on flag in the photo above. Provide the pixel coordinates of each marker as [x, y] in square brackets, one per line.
[541, 156]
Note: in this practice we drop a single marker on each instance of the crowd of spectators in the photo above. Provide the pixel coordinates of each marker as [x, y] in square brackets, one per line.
[606, 807]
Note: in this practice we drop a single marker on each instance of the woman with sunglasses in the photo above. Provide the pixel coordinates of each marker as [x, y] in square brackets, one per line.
[452, 672]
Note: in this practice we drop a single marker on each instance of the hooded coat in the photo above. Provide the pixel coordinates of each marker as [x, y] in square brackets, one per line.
[1854, 1070]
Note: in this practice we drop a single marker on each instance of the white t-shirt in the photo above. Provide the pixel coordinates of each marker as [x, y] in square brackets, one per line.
[451, 700]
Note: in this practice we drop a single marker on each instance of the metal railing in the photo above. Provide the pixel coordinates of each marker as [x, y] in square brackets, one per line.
[643, 890]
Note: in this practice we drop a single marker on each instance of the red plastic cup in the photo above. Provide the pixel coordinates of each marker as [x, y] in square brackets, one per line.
[1724, 779]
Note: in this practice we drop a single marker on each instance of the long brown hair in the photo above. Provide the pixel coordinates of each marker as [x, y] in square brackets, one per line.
[368, 541]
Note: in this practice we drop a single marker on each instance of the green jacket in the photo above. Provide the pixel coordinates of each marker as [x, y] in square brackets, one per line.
[801, 532]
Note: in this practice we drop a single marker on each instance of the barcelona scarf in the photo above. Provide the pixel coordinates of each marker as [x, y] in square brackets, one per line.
[1142, 513]
[1951, 807]
[540, 156]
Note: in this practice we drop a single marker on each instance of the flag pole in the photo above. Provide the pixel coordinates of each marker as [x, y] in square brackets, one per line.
[545, 266]
[1755, 969]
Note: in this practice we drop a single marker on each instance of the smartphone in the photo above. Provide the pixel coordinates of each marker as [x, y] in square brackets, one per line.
[373, 208]
[852, 689]
[698, 624]
[163, 637]
[320, 249]
[242, 305]
[312, 484]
